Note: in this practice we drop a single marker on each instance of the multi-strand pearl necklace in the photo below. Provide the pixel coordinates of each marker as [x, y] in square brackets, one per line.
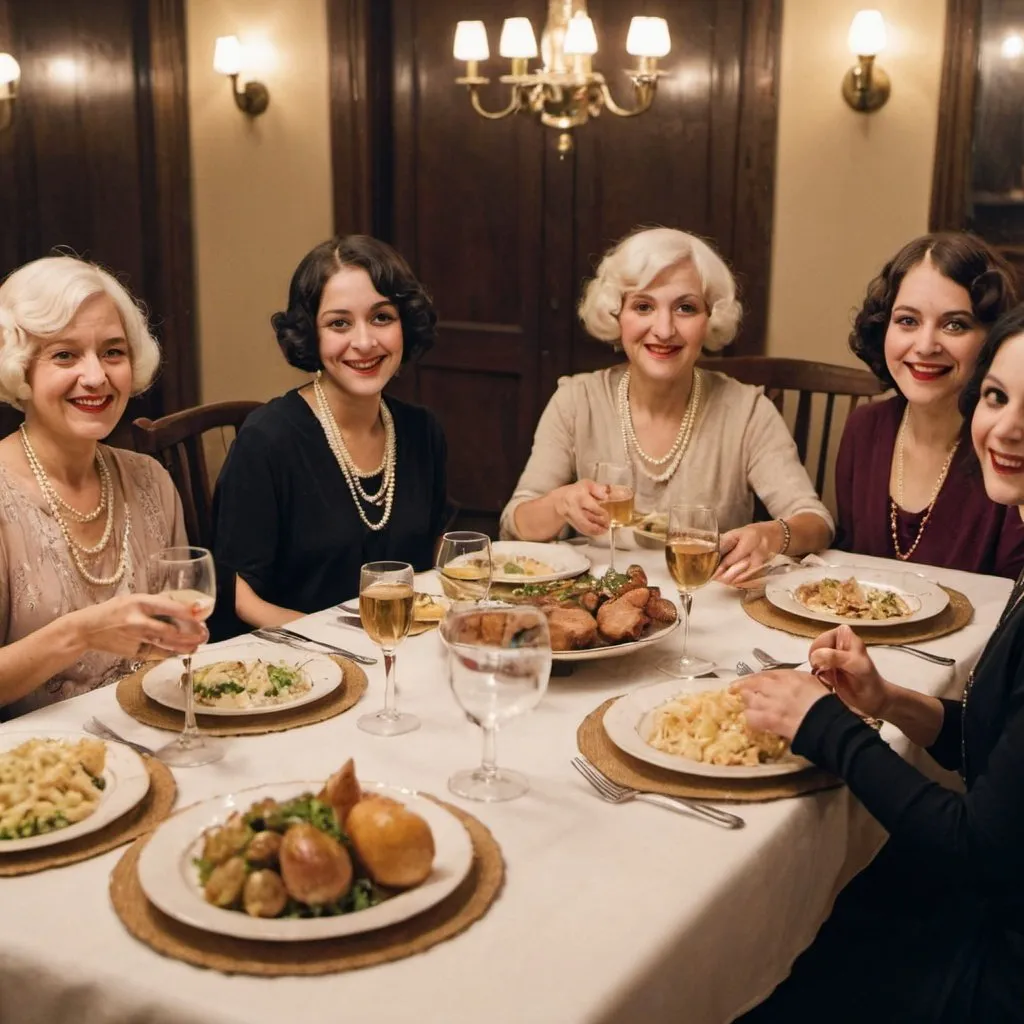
[56, 503]
[894, 506]
[675, 454]
[353, 475]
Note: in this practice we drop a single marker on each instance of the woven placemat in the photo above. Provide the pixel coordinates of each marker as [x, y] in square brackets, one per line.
[468, 903]
[957, 614]
[141, 819]
[620, 767]
[146, 710]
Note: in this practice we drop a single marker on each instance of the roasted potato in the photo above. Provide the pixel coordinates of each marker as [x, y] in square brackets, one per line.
[264, 850]
[224, 886]
[264, 894]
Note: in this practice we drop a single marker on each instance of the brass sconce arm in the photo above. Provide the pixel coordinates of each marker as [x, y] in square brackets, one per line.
[866, 86]
[472, 81]
[252, 99]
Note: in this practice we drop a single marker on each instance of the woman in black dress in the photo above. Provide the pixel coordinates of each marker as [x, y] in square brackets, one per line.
[933, 930]
[330, 475]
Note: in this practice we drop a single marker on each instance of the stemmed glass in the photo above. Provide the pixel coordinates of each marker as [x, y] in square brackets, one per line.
[386, 598]
[464, 565]
[498, 668]
[691, 551]
[618, 478]
[187, 575]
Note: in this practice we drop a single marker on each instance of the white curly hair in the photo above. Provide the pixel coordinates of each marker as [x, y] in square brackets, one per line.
[637, 260]
[41, 298]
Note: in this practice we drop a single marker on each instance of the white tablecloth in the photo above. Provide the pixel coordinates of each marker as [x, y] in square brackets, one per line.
[610, 913]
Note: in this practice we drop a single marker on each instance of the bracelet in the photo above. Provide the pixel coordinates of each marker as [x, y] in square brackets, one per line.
[787, 536]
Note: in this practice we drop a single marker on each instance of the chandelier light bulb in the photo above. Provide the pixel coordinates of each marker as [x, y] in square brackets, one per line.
[867, 36]
[517, 39]
[648, 37]
[10, 70]
[580, 37]
[471, 41]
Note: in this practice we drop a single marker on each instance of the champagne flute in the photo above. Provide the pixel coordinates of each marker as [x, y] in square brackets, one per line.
[691, 551]
[493, 680]
[464, 565]
[187, 575]
[386, 599]
[618, 478]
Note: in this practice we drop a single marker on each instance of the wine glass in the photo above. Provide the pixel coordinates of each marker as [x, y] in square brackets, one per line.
[691, 551]
[618, 478]
[464, 565]
[187, 575]
[499, 661]
[386, 599]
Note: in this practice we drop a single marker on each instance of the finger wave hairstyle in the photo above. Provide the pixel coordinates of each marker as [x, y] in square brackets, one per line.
[296, 327]
[962, 257]
[1009, 325]
[633, 263]
[41, 298]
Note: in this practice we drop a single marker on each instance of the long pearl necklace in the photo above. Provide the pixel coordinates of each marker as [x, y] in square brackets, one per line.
[385, 495]
[675, 454]
[894, 506]
[56, 503]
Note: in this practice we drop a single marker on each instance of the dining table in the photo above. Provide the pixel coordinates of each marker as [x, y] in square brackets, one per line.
[609, 914]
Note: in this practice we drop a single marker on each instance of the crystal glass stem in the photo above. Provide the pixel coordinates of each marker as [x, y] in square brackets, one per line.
[686, 601]
[190, 734]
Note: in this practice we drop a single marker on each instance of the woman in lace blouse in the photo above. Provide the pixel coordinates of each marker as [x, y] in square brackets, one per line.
[78, 520]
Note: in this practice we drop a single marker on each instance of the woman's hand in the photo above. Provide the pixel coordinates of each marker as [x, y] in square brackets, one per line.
[128, 626]
[843, 661]
[745, 550]
[579, 504]
[778, 701]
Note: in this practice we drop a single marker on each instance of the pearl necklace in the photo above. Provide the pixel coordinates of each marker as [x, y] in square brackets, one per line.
[894, 506]
[55, 502]
[675, 454]
[353, 476]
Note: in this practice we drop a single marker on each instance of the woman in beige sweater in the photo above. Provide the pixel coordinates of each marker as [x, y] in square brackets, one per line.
[692, 436]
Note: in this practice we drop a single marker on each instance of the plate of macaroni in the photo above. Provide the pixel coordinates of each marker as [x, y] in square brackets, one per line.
[60, 786]
[854, 595]
[688, 727]
[248, 678]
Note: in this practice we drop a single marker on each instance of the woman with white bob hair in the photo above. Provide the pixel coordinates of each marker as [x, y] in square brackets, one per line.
[691, 435]
[78, 520]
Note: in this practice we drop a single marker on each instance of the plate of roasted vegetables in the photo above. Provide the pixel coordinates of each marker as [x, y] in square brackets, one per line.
[295, 861]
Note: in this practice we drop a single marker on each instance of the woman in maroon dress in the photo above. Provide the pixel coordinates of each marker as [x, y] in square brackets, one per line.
[907, 483]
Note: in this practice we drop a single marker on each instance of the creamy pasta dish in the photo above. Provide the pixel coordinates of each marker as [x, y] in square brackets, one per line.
[851, 600]
[46, 785]
[520, 565]
[248, 684]
[711, 727]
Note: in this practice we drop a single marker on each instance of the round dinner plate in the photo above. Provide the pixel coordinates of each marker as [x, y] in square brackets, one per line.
[565, 561]
[127, 782]
[924, 597]
[618, 650]
[170, 879]
[162, 682]
[628, 723]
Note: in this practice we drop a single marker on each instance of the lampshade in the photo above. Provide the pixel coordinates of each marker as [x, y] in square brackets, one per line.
[1011, 47]
[648, 37]
[227, 56]
[10, 69]
[580, 38]
[867, 33]
[471, 41]
[517, 38]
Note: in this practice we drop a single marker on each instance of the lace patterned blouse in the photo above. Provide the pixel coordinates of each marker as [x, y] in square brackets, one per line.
[39, 581]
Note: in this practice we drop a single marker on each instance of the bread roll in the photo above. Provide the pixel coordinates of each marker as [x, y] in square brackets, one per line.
[395, 845]
[315, 868]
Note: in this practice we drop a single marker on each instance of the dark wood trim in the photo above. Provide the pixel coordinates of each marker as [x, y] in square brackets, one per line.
[951, 176]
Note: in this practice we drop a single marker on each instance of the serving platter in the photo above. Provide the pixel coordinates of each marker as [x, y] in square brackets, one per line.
[126, 783]
[170, 878]
[656, 636]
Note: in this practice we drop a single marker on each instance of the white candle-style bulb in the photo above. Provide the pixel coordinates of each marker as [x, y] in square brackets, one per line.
[1011, 47]
[227, 56]
[580, 37]
[517, 39]
[10, 69]
[867, 33]
[648, 37]
[471, 41]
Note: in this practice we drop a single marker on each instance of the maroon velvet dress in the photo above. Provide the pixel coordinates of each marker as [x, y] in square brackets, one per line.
[966, 529]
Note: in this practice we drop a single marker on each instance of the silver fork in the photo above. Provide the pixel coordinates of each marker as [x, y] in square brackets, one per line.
[97, 728]
[936, 659]
[305, 643]
[616, 794]
[743, 669]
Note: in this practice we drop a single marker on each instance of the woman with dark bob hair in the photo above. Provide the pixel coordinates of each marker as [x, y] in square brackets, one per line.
[907, 484]
[329, 475]
[933, 930]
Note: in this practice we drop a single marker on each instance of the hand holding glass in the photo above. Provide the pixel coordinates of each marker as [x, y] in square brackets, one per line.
[618, 479]
[464, 565]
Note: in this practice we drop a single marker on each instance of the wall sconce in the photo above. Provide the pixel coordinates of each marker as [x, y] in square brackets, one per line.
[254, 98]
[10, 76]
[865, 86]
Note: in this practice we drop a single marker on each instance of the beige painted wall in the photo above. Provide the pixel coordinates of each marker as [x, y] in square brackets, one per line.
[261, 188]
[850, 188]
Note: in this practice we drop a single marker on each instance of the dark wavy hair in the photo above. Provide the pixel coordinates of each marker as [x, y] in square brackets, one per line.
[1009, 325]
[962, 257]
[296, 327]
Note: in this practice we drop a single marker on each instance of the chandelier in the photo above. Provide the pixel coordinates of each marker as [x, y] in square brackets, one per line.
[566, 92]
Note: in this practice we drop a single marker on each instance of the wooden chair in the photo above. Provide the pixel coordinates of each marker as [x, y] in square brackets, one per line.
[777, 376]
[177, 442]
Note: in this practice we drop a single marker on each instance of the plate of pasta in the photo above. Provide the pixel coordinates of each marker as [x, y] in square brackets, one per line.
[61, 786]
[249, 678]
[691, 728]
